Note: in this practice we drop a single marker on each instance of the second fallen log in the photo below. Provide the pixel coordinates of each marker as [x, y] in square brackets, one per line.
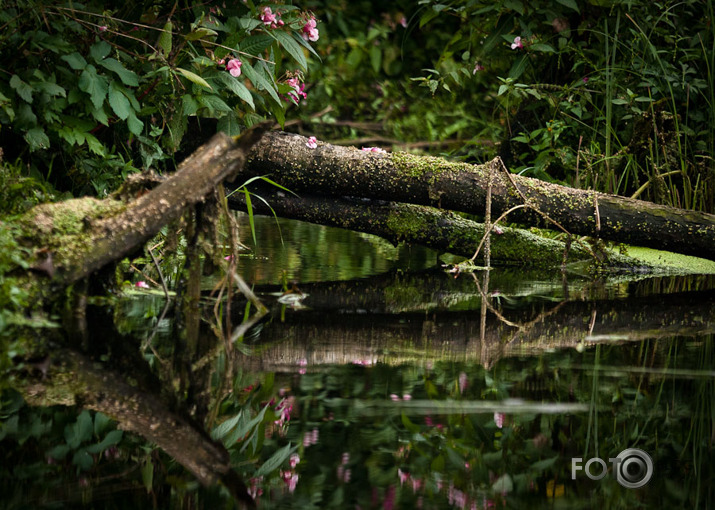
[339, 171]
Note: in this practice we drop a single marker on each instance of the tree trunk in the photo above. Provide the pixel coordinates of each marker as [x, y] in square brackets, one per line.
[444, 231]
[338, 171]
[81, 236]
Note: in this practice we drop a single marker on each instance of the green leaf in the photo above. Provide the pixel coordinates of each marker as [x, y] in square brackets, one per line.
[292, 47]
[83, 459]
[81, 430]
[275, 461]
[571, 4]
[619, 101]
[222, 429]
[75, 60]
[214, 103]
[148, 474]
[37, 139]
[541, 465]
[238, 88]
[543, 48]
[23, 89]
[100, 116]
[95, 145]
[189, 105]
[135, 125]
[260, 81]
[375, 58]
[249, 209]
[59, 452]
[94, 85]
[112, 438]
[195, 78]
[229, 124]
[164, 41]
[409, 425]
[128, 77]
[119, 102]
[51, 89]
[99, 51]
[255, 44]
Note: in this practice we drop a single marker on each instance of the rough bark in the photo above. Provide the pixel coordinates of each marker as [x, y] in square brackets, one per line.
[338, 171]
[83, 235]
[444, 231]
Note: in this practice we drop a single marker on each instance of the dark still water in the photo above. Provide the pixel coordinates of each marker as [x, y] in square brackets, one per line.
[375, 380]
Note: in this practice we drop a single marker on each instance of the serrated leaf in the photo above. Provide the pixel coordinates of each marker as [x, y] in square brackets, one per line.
[195, 78]
[255, 44]
[37, 139]
[75, 60]
[275, 461]
[292, 47]
[230, 124]
[95, 145]
[51, 89]
[100, 116]
[260, 81]
[119, 102]
[238, 88]
[189, 106]
[94, 85]
[127, 76]
[23, 89]
[214, 103]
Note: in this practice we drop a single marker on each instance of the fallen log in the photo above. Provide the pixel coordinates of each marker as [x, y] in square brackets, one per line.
[444, 231]
[80, 236]
[330, 170]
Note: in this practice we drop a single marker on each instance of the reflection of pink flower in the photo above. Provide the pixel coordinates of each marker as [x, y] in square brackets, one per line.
[463, 382]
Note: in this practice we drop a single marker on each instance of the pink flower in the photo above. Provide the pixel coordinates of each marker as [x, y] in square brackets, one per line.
[271, 20]
[346, 458]
[373, 149]
[406, 397]
[234, 67]
[403, 476]
[463, 382]
[517, 43]
[499, 419]
[394, 397]
[310, 32]
[403, 22]
[142, 284]
[477, 67]
[103, 28]
[294, 460]
[221, 62]
[416, 484]
[312, 143]
[298, 89]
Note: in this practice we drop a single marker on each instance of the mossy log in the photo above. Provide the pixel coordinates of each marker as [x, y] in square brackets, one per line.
[441, 230]
[80, 236]
[330, 170]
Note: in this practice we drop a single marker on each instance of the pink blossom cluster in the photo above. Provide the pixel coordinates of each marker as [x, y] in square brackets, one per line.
[463, 382]
[310, 30]
[254, 487]
[290, 477]
[284, 409]
[270, 19]
[298, 89]
[499, 419]
[343, 472]
[312, 142]
[310, 438]
[405, 397]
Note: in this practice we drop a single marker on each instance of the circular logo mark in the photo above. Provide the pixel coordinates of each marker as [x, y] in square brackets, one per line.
[635, 468]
